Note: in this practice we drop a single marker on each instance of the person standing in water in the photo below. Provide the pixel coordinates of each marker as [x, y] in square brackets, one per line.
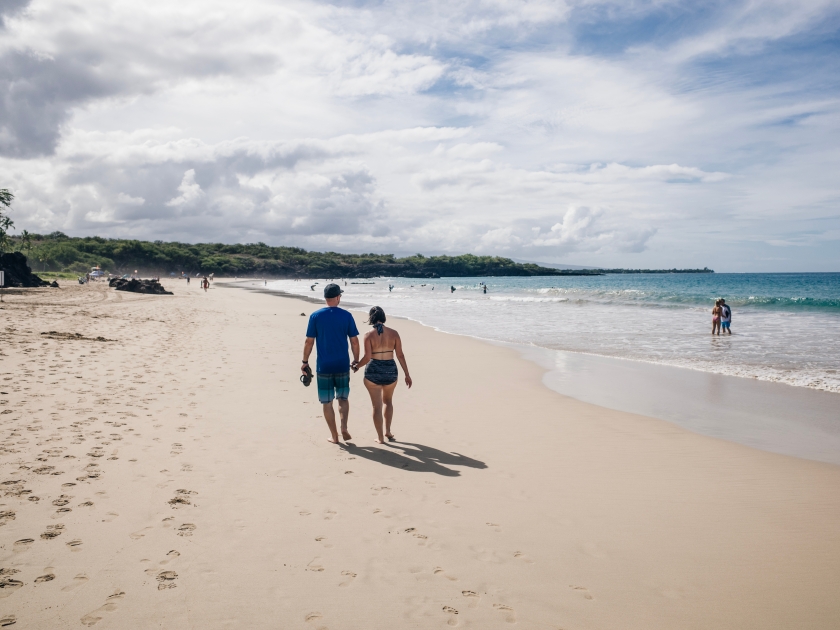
[725, 317]
[381, 373]
[716, 318]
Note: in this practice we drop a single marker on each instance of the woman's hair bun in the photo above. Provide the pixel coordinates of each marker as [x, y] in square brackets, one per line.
[376, 316]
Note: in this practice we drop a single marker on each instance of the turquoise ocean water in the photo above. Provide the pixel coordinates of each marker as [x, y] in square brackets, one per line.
[786, 326]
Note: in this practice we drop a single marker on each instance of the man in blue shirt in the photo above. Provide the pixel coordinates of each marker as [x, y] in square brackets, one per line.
[328, 330]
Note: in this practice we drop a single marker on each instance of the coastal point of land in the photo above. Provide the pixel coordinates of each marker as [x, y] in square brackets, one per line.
[161, 466]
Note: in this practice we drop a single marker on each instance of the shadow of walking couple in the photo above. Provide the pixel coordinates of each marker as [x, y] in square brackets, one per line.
[415, 458]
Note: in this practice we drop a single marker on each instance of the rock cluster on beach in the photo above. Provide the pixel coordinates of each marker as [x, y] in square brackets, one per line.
[139, 286]
[18, 273]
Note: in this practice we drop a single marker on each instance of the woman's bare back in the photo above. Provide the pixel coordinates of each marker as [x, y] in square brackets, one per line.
[382, 346]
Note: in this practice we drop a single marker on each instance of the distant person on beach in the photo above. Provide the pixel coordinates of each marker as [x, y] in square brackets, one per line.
[452, 289]
[381, 373]
[329, 329]
[716, 318]
[485, 289]
[725, 317]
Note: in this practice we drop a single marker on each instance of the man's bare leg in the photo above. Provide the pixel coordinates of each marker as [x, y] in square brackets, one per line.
[329, 416]
[344, 412]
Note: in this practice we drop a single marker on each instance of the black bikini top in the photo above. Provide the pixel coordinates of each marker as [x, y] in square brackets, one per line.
[380, 328]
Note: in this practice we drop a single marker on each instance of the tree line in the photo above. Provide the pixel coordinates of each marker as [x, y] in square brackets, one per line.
[59, 252]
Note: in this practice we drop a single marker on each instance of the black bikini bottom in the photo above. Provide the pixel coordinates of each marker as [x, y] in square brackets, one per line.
[381, 372]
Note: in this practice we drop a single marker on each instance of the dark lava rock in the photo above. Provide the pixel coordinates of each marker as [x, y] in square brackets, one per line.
[18, 273]
[138, 286]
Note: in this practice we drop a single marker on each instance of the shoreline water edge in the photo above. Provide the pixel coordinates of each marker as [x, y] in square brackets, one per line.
[771, 415]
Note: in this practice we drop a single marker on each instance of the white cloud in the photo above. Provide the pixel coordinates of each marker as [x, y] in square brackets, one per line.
[509, 126]
[190, 191]
[129, 200]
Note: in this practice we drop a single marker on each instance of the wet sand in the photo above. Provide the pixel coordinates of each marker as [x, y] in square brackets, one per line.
[774, 417]
[176, 474]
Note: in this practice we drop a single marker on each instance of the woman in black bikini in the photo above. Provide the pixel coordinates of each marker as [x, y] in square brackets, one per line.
[381, 372]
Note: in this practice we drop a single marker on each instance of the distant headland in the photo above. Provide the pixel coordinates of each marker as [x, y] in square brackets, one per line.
[58, 252]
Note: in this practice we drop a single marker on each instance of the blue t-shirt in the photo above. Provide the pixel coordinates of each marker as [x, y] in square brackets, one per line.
[331, 326]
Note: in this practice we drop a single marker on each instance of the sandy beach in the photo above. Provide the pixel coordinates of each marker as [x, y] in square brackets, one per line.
[162, 467]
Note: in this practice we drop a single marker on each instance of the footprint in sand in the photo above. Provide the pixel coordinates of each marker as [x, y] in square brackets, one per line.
[74, 544]
[181, 498]
[473, 597]
[452, 621]
[166, 579]
[8, 620]
[507, 611]
[186, 529]
[110, 605]
[349, 576]
[496, 527]
[440, 572]
[329, 514]
[52, 531]
[313, 616]
[523, 557]
[76, 583]
[583, 591]
[49, 577]
[139, 534]
[8, 585]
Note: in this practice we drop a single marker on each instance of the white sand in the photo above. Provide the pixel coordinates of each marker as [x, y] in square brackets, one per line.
[503, 503]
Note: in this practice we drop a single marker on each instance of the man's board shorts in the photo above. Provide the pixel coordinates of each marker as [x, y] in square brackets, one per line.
[333, 386]
[725, 323]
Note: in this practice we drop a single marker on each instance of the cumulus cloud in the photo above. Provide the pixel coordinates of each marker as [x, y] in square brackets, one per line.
[642, 133]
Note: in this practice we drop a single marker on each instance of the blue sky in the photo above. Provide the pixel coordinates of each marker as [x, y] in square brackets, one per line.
[635, 134]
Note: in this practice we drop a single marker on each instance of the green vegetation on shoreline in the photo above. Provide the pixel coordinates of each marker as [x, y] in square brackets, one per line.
[57, 252]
